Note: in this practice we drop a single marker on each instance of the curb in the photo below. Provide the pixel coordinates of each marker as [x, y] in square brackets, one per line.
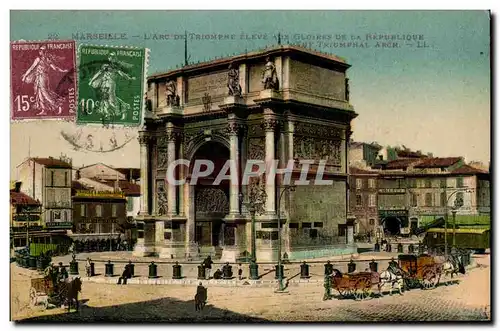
[193, 282]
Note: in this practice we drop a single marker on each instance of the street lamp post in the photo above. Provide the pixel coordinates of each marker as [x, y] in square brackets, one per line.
[454, 212]
[280, 274]
[256, 200]
[458, 203]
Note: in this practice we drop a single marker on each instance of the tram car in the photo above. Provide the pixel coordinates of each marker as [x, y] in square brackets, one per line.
[477, 240]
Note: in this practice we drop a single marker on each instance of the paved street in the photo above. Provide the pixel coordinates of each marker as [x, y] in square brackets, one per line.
[468, 299]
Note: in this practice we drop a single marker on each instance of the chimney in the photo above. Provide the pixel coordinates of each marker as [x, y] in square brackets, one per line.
[18, 187]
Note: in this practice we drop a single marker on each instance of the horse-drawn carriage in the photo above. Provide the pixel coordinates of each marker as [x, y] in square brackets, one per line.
[422, 270]
[358, 285]
[47, 291]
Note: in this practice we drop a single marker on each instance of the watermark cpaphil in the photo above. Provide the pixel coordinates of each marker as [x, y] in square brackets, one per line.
[43, 82]
[202, 168]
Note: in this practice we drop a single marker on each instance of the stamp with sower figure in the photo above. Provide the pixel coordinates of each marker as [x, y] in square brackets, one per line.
[43, 80]
[111, 85]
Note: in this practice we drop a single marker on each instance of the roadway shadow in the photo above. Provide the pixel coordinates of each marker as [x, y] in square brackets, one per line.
[164, 310]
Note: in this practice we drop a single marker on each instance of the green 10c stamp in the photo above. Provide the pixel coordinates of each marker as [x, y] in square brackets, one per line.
[111, 85]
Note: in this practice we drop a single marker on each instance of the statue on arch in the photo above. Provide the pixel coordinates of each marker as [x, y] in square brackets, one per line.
[233, 81]
[269, 75]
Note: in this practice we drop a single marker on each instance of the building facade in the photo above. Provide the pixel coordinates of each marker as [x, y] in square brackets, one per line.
[24, 216]
[98, 215]
[48, 180]
[284, 103]
[363, 202]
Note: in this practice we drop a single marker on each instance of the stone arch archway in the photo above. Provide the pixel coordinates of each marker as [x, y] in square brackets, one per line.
[211, 202]
[201, 140]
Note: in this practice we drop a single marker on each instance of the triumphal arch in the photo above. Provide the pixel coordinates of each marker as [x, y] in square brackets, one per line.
[284, 103]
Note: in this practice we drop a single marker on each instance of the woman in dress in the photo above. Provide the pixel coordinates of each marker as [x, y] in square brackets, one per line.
[46, 100]
[104, 81]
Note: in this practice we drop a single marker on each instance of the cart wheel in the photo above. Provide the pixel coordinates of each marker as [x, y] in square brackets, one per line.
[429, 280]
[344, 292]
[362, 289]
[32, 296]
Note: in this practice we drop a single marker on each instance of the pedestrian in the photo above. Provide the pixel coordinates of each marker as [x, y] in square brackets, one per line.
[208, 266]
[87, 267]
[240, 272]
[62, 273]
[125, 275]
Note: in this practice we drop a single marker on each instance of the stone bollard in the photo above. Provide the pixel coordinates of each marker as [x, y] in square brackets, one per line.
[278, 272]
[176, 271]
[351, 266]
[400, 248]
[373, 266]
[411, 248]
[227, 272]
[109, 269]
[201, 272]
[304, 270]
[92, 269]
[73, 267]
[254, 270]
[377, 247]
[39, 263]
[153, 270]
[328, 268]
[32, 262]
[131, 268]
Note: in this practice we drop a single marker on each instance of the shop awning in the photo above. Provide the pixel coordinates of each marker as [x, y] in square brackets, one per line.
[460, 220]
[91, 237]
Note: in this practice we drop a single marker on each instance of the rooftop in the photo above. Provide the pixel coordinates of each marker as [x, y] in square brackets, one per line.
[400, 163]
[19, 198]
[468, 170]
[358, 171]
[50, 162]
[438, 162]
[319, 57]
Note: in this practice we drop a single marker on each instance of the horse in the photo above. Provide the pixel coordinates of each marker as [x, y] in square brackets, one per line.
[453, 266]
[200, 299]
[391, 276]
[68, 291]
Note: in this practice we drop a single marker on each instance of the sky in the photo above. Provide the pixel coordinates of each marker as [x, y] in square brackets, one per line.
[433, 96]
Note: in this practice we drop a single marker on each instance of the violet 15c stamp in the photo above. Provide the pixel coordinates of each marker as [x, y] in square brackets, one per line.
[111, 85]
[43, 80]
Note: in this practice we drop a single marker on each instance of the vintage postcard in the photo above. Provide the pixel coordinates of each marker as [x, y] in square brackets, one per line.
[43, 82]
[250, 166]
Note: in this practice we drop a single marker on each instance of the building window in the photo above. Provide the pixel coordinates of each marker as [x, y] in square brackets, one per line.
[428, 183]
[443, 199]
[318, 224]
[293, 225]
[51, 178]
[306, 225]
[460, 182]
[359, 183]
[359, 200]
[82, 210]
[65, 179]
[428, 199]
[371, 183]
[372, 221]
[372, 200]
[459, 199]
[130, 204]
[443, 182]
[414, 200]
[113, 210]
[98, 211]
[56, 215]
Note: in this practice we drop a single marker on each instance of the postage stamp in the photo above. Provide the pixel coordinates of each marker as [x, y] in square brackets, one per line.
[43, 80]
[111, 85]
